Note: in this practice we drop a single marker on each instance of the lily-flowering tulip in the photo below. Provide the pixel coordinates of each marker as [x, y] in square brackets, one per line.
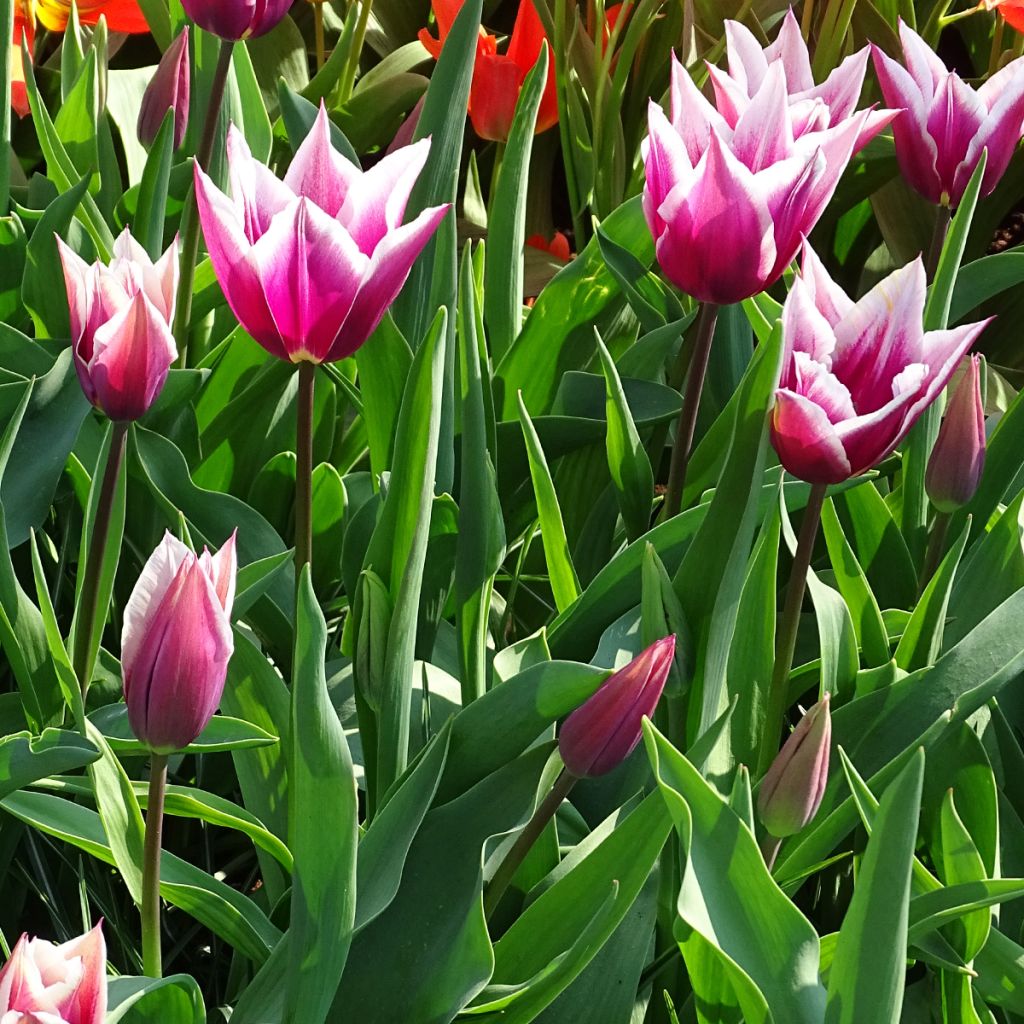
[600, 734]
[497, 78]
[958, 458]
[946, 125]
[1011, 10]
[557, 247]
[46, 983]
[856, 376]
[729, 201]
[120, 325]
[791, 792]
[309, 265]
[176, 642]
[236, 19]
[169, 89]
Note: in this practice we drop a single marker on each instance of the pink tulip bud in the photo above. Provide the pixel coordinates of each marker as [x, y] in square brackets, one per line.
[44, 983]
[169, 90]
[792, 789]
[856, 375]
[177, 641]
[310, 265]
[236, 19]
[120, 325]
[954, 469]
[600, 734]
[946, 125]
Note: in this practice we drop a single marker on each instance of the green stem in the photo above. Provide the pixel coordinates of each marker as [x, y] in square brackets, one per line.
[521, 847]
[997, 47]
[190, 215]
[88, 599]
[936, 549]
[687, 424]
[562, 64]
[152, 960]
[304, 467]
[807, 20]
[658, 964]
[785, 641]
[318, 28]
[943, 215]
[348, 75]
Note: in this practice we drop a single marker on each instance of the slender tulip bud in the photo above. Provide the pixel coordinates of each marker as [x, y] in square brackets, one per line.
[236, 19]
[169, 90]
[177, 642]
[954, 469]
[600, 734]
[120, 325]
[56, 984]
[792, 790]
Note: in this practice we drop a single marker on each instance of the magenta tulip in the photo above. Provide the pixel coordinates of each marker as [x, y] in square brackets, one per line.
[169, 89]
[310, 265]
[731, 192]
[45, 983]
[600, 734]
[176, 642]
[236, 19]
[120, 325]
[946, 125]
[856, 376]
[958, 458]
[791, 791]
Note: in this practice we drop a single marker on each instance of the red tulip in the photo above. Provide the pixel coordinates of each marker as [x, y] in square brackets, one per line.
[557, 247]
[497, 78]
[1011, 10]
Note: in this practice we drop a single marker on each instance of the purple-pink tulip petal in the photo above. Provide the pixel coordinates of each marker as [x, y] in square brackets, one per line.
[236, 19]
[177, 641]
[310, 265]
[46, 983]
[169, 89]
[958, 458]
[856, 376]
[600, 734]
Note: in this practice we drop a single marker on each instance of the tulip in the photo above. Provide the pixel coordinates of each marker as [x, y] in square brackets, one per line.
[310, 265]
[729, 204]
[177, 641]
[1011, 10]
[557, 247]
[946, 125]
[169, 90]
[120, 325]
[236, 19]
[600, 734]
[954, 469]
[856, 376]
[497, 78]
[46, 983]
[791, 791]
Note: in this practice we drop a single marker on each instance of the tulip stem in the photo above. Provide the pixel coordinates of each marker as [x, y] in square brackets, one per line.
[304, 468]
[521, 847]
[152, 959]
[687, 423]
[318, 29]
[88, 601]
[997, 47]
[785, 640]
[936, 549]
[938, 242]
[190, 215]
[807, 20]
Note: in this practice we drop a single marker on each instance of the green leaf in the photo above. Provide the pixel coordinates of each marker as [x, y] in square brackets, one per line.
[25, 758]
[384, 363]
[506, 228]
[172, 1000]
[152, 204]
[222, 733]
[962, 864]
[323, 802]
[867, 976]
[76, 123]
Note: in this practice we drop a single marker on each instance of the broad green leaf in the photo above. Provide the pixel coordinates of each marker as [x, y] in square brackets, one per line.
[962, 864]
[172, 1000]
[25, 758]
[222, 733]
[384, 363]
[149, 216]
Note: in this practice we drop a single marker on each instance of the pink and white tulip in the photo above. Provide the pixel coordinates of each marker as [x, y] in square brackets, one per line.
[46, 983]
[731, 193]
[856, 375]
[177, 641]
[946, 125]
[120, 325]
[310, 265]
[236, 19]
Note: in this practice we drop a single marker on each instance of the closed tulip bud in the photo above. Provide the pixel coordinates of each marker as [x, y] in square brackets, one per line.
[177, 641]
[45, 983]
[120, 325]
[236, 19]
[791, 791]
[954, 469]
[600, 734]
[169, 90]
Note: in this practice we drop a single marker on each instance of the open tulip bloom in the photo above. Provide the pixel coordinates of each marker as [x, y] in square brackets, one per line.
[120, 325]
[236, 19]
[732, 191]
[310, 265]
[856, 375]
[946, 125]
